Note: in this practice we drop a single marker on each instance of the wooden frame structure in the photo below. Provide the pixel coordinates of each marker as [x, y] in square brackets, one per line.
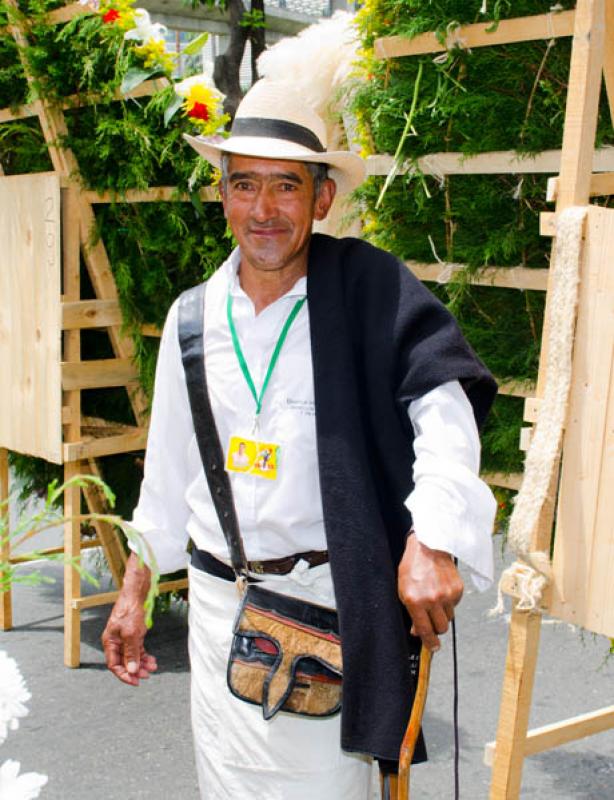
[75, 441]
[584, 544]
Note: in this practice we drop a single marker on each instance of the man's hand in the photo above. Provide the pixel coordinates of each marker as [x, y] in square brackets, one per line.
[429, 587]
[124, 636]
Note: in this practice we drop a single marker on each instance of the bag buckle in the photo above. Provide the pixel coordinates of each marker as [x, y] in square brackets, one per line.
[257, 567]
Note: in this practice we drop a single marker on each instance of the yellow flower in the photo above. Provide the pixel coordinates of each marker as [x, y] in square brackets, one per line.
[154, 54]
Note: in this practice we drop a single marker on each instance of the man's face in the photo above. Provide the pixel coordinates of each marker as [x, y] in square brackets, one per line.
[270, 206]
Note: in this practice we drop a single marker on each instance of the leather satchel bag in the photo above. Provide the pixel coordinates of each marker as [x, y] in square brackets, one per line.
[285, 653]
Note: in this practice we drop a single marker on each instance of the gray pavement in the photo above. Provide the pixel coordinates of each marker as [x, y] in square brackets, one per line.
[96, 738]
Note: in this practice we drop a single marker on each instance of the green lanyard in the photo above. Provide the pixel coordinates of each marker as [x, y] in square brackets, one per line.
[241, 358]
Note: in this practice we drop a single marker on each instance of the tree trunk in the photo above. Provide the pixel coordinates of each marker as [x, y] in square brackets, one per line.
[257, 39]
[227, 66]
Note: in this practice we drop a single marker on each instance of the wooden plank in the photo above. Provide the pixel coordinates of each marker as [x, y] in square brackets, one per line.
[496, 162]
[155, 194]
[68, 12]
[583, 561]
[98, 374]
[107, 598]
[582, 104]
[90, 314]
[105, 446]
[101, 275]
[601, 185]
[145, 89]
[22, 112]
[72, 581]
[531, 409]
[503, 277]
[508, 31]
[30, 338]
[547, 224]
[511, 480]
[151, 330]
[6, 606]
[515, 388]
[88, 544]
[569, 730]
[521, 659]
[608, 57]
[113, 548]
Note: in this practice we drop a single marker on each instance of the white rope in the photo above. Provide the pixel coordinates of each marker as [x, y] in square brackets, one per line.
[532, 573]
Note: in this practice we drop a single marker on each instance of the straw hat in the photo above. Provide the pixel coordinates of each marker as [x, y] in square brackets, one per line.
[271, 122]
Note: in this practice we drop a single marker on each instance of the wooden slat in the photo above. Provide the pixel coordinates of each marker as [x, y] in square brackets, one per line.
[113, 548]
[547, 223]
[569, 730]
[531, 409]
[83, 314]
[516, 388]
[602, 184]
[145, 89]
[608, 57]
[98, 374]
[503, 277]
[508, 31]
[6, 607]
[106, 598]
[151, 330]
[68, 12]
[88, 544]
[105, 446]
[510, 480]
[154, 194]
[496, 162]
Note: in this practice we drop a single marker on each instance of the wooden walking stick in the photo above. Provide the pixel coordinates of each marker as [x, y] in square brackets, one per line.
[408, 745]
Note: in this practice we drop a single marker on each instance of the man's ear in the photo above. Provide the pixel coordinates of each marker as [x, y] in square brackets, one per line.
[325, 199]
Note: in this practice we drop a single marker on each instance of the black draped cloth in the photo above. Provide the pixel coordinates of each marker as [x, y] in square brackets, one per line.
[379, 340]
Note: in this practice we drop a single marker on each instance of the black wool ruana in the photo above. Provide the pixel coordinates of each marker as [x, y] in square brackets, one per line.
[379, 340]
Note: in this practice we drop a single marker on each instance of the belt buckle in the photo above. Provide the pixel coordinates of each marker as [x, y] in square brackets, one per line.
[257, 567]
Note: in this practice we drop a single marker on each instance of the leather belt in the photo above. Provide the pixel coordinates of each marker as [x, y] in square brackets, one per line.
[206, 562]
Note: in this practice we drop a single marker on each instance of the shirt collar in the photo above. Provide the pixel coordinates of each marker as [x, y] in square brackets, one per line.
[231, 269]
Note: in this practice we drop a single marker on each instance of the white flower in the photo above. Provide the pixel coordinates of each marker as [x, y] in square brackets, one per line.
[14, 786]
[144, 29]
[95, 4]
[13, 695]
[184, 87]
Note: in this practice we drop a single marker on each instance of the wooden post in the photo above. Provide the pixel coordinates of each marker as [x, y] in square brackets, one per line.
[72, 430]
[6, 609]
[587, 59]
[522, 646]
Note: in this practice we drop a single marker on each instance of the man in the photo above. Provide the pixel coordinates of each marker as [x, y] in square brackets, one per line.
[370, 404]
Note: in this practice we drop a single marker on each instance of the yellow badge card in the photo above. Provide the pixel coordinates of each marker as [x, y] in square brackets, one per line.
[253, 457]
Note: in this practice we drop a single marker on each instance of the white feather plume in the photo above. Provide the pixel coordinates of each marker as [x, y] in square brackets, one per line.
[315, 62]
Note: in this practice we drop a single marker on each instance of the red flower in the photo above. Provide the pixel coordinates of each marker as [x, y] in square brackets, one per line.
[111, 15]
[199, 111]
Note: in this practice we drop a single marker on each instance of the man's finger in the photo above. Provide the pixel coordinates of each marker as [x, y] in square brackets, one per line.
[439, 619]
[422, 627]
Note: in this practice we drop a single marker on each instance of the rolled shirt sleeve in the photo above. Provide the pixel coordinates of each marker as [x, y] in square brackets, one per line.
[452, 508]
[162, 512]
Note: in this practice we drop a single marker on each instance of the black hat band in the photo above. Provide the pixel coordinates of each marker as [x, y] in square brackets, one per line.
[277, 129]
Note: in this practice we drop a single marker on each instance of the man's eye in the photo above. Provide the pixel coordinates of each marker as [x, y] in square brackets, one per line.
[242, 186]
[288, 187]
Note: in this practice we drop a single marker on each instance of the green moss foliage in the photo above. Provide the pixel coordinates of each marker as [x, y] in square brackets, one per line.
[156, 250]
[468, 101]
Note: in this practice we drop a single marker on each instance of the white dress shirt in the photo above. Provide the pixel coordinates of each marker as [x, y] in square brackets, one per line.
[452, 508]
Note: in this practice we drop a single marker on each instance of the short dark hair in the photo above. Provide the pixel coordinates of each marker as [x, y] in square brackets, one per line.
[319, 172]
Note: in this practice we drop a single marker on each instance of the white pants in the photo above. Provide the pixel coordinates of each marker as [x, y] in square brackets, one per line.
[238, 753]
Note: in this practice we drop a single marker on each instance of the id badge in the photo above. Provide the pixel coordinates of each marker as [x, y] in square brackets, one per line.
[253, 457]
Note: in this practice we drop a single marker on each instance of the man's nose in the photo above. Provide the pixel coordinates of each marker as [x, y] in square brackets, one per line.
[264, 205]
